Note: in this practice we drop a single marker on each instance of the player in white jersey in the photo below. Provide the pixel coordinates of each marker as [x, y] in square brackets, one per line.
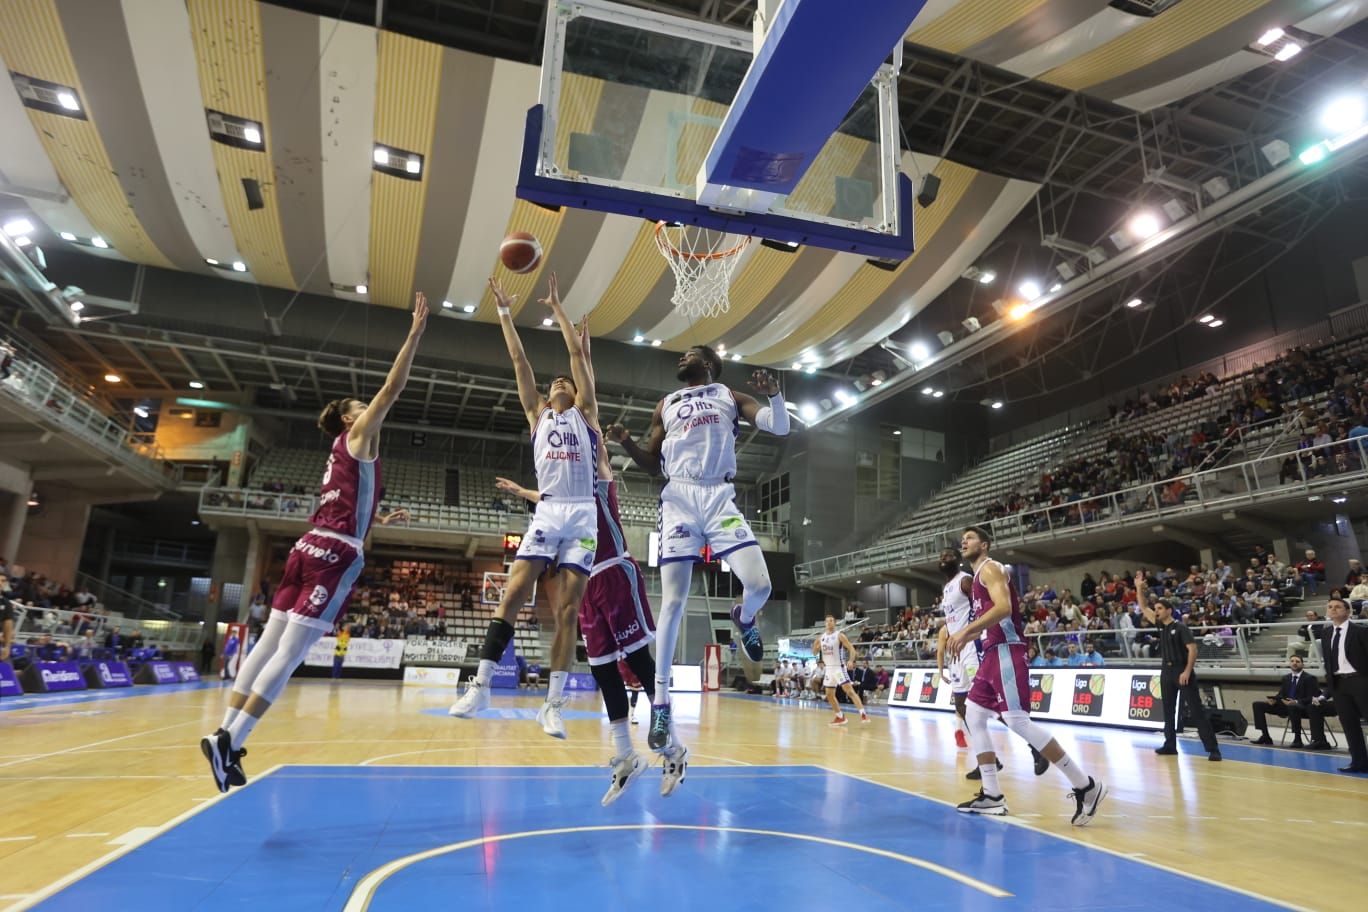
[838, 660]
[564, 528]
[692, 441]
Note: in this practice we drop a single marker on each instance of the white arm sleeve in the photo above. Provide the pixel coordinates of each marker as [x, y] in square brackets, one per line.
[773, 418]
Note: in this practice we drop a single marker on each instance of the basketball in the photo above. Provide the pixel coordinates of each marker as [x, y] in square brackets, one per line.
[520, 252]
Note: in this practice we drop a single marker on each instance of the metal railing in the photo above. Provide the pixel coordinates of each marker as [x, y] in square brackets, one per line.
[132, 606]
[50, 399]
[1221, 646]
[425, 515]
[67, 627]
[1319, 471]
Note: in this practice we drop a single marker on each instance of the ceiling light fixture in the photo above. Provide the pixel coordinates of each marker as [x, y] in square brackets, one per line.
[100, 242]
[1270, 36]
[18, 226]
[1287, 52]
[469, 308]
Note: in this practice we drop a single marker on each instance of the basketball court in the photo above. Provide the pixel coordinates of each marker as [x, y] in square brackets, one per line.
[368, 796]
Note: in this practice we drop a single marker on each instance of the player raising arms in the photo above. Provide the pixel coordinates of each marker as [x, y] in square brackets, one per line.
[564, 529]
[615, 618]
[692, 441]
[323, 566]
[838, 660]
[1002, 685]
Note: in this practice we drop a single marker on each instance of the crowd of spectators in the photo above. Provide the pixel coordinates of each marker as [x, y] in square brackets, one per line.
[1270, 392]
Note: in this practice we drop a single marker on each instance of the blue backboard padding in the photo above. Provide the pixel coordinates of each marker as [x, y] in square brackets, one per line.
[817, 58]
[554, 193]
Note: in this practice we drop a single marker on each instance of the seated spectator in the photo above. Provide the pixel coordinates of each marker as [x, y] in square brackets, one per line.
[1311, 570]
[881, 676]
[1090, 655]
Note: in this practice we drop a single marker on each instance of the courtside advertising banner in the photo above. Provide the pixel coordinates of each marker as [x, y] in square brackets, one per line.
[434, 651]
[61, 676]
[361, 653]
[114, 674]
[432, 677]
[1125, 697]
[186, 672]
[164, 672]
[9, 683]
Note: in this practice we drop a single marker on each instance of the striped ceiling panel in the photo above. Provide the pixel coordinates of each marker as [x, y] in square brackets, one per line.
[408, 75]
[232, 76]
[143, 172]
[33, 43]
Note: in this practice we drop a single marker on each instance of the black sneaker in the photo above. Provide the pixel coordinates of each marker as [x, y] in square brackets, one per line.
[983, 803]
[1041, 764]
[974, 775]
[1168, 750]
[1214, 756]
[751, 644]
[1087, 799]
[218, 750]
[1263, 739]
[658, 739]
[236, 775]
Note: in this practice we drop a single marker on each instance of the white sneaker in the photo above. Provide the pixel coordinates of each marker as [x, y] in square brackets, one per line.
[625, 769]
[549, 718]
[675, 765]
[1087, 800]
[472, 701]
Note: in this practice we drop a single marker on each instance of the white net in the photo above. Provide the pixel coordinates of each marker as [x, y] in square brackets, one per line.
[702, 261]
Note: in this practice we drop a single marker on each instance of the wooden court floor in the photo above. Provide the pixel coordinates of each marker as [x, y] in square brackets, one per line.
[83, 782]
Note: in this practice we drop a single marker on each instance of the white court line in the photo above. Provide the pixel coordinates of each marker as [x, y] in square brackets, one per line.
[31, 899]
[1010, 821]
[16, 838]
[84, 835]
[81, 747]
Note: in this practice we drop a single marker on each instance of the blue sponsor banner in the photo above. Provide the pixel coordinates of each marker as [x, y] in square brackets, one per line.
[164, 672]
[185, 672]
[61, 676]
[113, 674]
[578, 680]
[506, 673]
[9, 684]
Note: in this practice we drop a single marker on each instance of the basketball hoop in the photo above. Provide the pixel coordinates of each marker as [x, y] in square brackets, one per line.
[702, 263]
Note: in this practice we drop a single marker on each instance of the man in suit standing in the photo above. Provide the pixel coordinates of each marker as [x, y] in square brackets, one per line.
[1292, 701]
[1345, 647]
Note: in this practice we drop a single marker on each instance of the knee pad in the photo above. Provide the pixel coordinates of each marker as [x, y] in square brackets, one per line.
[1019, 721]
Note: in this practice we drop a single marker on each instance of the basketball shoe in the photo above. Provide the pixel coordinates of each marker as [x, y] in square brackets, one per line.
[1087, 800]
[659, 737]
[672, 771]
[549, 718]
[983, 803]
[625, 769]
[864, 716]
[751, 644]
[974, 775]
[1041, 764]
[960, 741]
[225, 764]
[839, 720]
[472, 701]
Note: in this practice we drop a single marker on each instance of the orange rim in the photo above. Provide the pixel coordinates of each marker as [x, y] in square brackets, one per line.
[664, 241]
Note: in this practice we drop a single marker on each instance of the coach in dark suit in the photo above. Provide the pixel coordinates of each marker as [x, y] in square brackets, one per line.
[1345, 647]
[1293, 701]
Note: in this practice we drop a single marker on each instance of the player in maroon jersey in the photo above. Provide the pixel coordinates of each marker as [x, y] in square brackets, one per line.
[1002, 685]
[324, 564]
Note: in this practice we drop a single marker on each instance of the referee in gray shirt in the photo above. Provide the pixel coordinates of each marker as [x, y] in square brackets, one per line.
[1178, 651]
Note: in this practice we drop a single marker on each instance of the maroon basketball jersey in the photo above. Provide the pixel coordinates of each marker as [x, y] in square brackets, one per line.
[1011, 629]
[349, 494]
[611, 542]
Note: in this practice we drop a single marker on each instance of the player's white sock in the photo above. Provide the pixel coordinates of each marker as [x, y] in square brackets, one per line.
[1077, 778]
[557, 685]
[622, 738]
[242, 727]
[749, 566]
[990, 780]
[228, 716]
[485, 673]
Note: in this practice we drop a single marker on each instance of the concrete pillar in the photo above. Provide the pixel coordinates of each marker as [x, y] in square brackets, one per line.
[228, 566]
[13, 517]
[1206, 557]
[253, 570]
[1282, 548]
[107, 554]
[54, 536]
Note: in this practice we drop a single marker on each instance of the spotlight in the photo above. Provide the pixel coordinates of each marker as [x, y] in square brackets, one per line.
[252, 135]
[547, 321]
[926, 390]
[810, 369]
[211, 261]
[1270, 36]
[997, 404]
[239, 266]
[1205, 318]
[843, 397]
[638, 338]
[66, 236]
[1055, 287]
[919, 351]
[140, 411]
[897, 433]
[469, 308]
[807, 411]
[1313, 155]
[1343, 115]
[1134, 303]
[22, 240]
[656, 343]
[1019, 312]
[1144, 225]
[1288, 51]
[18, 226]
[381, 156]
[987, 278]
[447, 305]
[1216, 324]
[197, 384]
[1030, 289]
[938, 394]
[360, 289]
[112, 378]
[875, 381]
[77, 306]
[736, 357]
[100, 242]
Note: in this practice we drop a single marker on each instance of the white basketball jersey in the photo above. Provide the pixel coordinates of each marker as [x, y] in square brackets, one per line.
[565, 450]
[701, 424]
[831, 649]
[957, 606]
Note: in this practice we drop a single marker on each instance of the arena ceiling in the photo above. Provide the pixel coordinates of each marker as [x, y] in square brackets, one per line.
[999, 98]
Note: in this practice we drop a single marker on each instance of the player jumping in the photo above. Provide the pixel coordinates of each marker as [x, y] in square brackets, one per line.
[324, 565]
[564, 529]
[692, 441]
[1002, 685]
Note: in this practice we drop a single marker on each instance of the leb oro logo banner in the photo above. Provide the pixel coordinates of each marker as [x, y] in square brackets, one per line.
[1145, 697]
[1089, 691]
[1042, 690]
